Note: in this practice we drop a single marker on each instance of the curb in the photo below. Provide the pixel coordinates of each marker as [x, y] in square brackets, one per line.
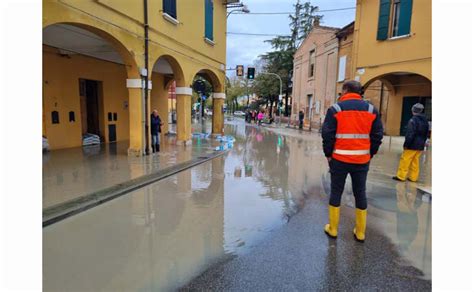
[67, 209]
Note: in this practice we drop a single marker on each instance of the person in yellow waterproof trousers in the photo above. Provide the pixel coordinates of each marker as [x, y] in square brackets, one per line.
[352, 133]
[415, 139]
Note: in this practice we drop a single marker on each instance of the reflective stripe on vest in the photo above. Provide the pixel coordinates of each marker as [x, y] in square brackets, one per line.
[337, 107]
[353, 136]
[351, 152]
[371, 108]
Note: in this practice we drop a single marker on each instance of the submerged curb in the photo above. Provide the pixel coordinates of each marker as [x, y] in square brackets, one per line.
[67, 209]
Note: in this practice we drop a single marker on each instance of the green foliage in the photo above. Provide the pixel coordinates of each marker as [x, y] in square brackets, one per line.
[236, 87]
[280, 60]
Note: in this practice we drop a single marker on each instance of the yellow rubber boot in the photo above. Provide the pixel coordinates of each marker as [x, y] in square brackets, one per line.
[359, 230]
[331, 228]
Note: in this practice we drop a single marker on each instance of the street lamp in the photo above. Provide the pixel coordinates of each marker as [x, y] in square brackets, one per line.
[243, 9]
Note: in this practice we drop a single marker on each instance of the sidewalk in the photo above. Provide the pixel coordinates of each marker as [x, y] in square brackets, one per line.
[70, 174]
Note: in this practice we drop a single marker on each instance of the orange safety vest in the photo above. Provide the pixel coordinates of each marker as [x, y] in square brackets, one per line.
[353, 132]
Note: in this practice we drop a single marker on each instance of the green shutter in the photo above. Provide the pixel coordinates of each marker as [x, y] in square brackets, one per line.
[169, 7]
[384, 19]
[209, 19]
[405, 17]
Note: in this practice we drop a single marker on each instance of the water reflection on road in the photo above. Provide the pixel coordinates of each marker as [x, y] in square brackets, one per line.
[163, 235]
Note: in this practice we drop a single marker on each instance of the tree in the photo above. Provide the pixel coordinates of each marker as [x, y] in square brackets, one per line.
[280, 61]
[235, 89]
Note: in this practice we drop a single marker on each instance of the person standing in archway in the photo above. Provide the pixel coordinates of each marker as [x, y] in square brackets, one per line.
[415, 139]
[155, 131]
[352, 133]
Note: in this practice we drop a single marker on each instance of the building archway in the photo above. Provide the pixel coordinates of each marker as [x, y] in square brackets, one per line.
[394, 93]
[85, 73]
[166, 75]
[218, 98]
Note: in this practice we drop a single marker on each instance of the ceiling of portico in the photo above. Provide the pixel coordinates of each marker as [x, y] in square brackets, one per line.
[71, 40]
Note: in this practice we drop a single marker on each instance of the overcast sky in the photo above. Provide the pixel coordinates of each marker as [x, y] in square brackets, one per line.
[243, 50]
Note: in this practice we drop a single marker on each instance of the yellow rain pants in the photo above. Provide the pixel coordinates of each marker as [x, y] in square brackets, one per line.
[409, 165]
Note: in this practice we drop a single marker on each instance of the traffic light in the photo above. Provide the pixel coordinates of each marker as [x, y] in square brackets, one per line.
[250, 73]
[240, 70]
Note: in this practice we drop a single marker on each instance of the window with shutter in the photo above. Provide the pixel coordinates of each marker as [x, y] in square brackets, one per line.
[209, 19]
[404, 20]
[384, 20]
[395, 18]
[169, 7]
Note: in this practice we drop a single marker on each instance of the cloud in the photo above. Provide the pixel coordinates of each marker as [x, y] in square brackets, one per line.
[244, 50]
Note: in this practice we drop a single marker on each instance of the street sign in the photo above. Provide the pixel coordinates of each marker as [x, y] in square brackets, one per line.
[199, 86]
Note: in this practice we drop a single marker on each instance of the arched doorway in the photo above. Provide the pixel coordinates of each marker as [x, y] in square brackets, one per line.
[167, 74]
[85, 94]
[217, 95]
[394, 94]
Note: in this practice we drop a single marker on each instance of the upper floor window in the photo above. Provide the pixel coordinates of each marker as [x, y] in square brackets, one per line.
[209, 19]
[394, 18]
[311, 63]
[342, 69]
[169, 7]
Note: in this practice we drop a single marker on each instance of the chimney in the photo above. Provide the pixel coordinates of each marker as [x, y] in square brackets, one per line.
[316, 21]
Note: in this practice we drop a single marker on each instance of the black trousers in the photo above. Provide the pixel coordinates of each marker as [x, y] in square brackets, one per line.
[358, 172]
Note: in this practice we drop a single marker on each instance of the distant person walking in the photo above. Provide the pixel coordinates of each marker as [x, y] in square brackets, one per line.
[155, 131]
[415, 139]
[352, 133]
[301, 118]
[260, 117]
[254, 116]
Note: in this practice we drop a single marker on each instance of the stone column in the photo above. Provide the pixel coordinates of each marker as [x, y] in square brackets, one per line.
[183, 111]
[137, 117]
[217, 113]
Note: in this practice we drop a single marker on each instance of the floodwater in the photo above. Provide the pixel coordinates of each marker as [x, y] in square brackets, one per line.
[160, 237]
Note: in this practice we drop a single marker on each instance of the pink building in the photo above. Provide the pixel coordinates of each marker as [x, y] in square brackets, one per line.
[314, 75]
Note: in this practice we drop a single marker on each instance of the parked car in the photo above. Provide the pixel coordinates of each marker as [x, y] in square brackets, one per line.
[239, 113]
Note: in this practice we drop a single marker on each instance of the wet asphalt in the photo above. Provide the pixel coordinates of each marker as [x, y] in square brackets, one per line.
[300, 257]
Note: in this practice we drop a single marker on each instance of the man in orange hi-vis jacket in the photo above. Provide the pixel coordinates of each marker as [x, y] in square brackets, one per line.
[352, 133]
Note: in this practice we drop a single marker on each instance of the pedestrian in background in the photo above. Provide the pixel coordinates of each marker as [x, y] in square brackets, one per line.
[301, 118]
[254, 116]
[352, 133]
[155, 131]
[260, 117]
[415, 140]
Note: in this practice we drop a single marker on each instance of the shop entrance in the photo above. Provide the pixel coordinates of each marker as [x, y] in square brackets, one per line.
[90, 106]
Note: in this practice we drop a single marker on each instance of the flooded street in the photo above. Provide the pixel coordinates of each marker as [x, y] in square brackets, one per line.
[160, 237]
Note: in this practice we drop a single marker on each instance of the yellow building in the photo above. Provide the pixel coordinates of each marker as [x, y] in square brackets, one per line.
[391, 57]
[95, 59]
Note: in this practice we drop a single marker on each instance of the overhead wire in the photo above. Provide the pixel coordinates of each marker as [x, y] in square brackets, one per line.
[282, 13]
[268, 34]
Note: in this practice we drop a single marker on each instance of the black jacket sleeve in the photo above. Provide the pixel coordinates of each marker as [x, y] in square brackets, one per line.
[376, 134]
[328, 132]
[410, 134]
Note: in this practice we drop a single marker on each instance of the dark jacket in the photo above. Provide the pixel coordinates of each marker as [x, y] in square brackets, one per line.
[417, 133]
[330, 126]
[155, 125]
[301, 116]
